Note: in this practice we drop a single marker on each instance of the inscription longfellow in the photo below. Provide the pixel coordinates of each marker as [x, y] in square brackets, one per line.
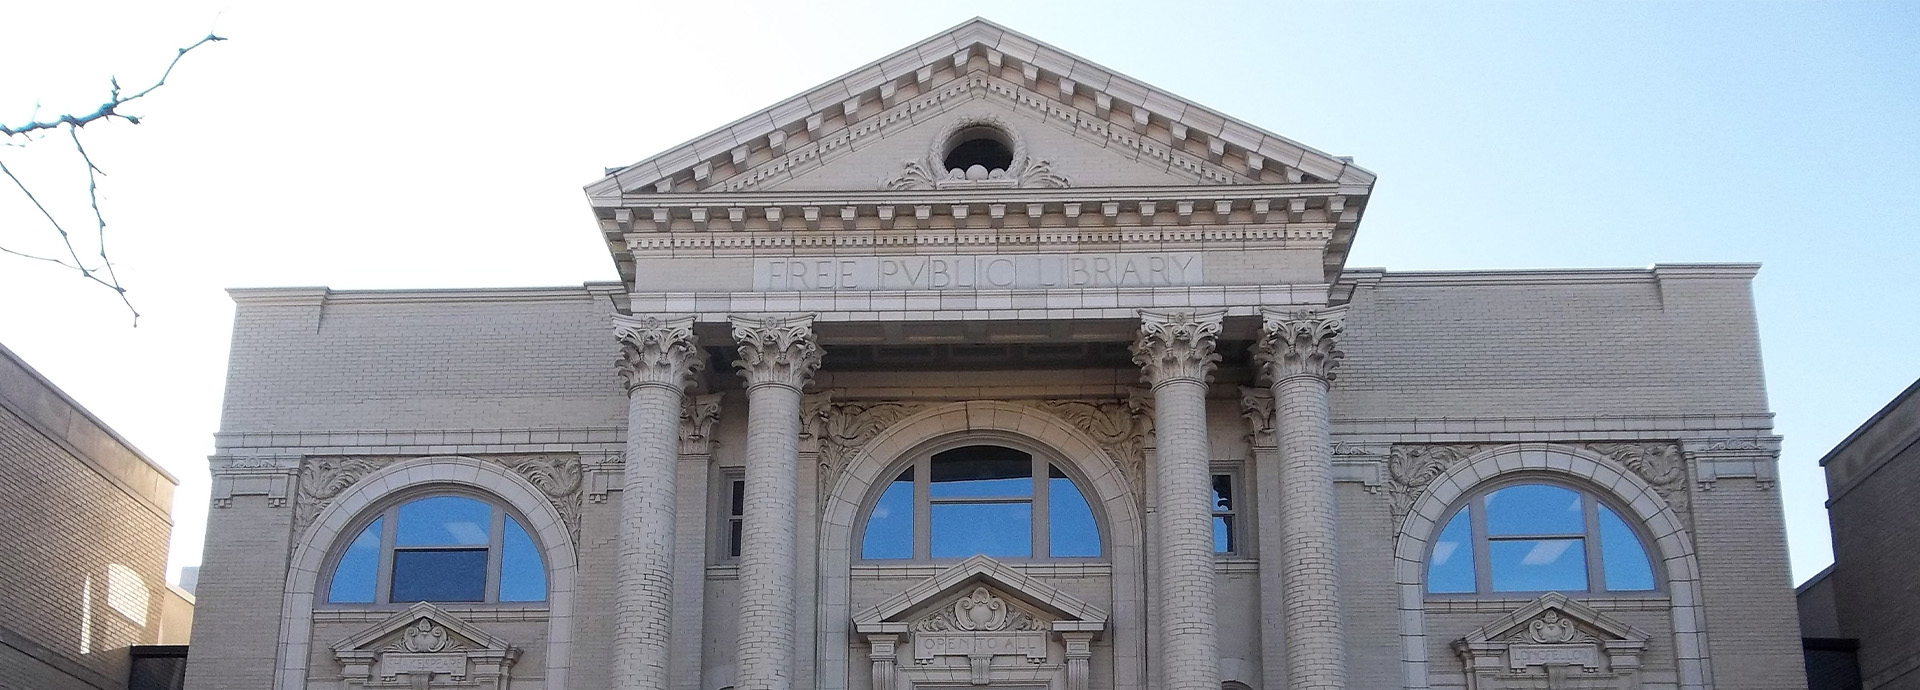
[1032, 645]
[978, 271]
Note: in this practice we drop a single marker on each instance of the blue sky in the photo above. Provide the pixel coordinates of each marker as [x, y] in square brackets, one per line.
[444, 144]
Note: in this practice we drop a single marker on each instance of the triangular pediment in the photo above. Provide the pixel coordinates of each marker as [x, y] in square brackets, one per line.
[866, 128]
[1555, 619]
[981, 593]
[421, 628]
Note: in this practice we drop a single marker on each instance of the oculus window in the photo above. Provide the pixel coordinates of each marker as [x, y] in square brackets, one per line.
[1537, 537]
[980, 500]
[445, 548]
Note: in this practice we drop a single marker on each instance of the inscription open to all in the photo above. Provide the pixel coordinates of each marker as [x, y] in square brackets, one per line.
[978, 271]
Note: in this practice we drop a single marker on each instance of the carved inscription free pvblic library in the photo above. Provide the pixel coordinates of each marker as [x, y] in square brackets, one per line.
[978, 271]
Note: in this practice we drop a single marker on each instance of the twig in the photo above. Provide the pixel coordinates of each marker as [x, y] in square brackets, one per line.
[114, 101]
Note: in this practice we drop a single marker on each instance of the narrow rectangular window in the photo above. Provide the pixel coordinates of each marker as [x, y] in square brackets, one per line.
[736, 515]
[1226, 532]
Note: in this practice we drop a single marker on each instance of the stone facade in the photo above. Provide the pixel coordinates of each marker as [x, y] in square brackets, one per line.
[1858, 615]
[984, 242]
[87, 519]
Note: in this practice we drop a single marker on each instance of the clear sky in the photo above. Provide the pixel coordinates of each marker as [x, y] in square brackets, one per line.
[415, 144]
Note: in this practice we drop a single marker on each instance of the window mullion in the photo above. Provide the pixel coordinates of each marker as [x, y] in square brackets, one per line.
[1037, 522]
[922, 508]
[1482, 555]
[383, 581]
[496, 532]
[1596, 571]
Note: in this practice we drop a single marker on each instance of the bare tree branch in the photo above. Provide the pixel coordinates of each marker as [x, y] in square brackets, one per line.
[33, 130]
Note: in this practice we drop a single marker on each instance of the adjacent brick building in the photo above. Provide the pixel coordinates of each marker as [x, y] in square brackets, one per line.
[1859, 615]
[986, 366]
[84, 525]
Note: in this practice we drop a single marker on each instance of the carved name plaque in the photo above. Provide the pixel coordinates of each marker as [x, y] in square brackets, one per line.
[395, 663]
[978, 271]
[1032, 645]
[1523, 655]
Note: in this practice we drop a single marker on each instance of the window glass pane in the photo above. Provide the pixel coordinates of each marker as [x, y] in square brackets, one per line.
[1534, 509]
[353, 578]
[739, 503]
[1451, 570]
[440, 575]
[995, 529]
[1222, 492]
[522, 576]
[443, 521]
[735, 534]
[890, 528]
[1070, 527]
[1538, 565]
[981, 471]
[1621, 555]
[1223, 536]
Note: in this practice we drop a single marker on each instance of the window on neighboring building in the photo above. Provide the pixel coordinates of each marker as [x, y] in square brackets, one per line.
[990, 500]
[1537, 537]
[442, 548]
[1226, 520]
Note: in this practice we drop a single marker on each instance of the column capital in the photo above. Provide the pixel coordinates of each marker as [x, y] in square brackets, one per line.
[776, 350]
[1177, 346]
[1300, 343]
[657, 351]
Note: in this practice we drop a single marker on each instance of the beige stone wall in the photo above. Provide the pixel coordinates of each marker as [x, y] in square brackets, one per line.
[1574, 358]
[86, 524]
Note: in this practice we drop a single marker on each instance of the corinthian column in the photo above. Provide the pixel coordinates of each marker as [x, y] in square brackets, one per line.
[658, 358]
[777, 358]
[1175, 350]
[1297, 353]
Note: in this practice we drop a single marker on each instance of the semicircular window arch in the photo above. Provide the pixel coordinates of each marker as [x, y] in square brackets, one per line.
[442, 547]
[1539, 536]
[981, 499]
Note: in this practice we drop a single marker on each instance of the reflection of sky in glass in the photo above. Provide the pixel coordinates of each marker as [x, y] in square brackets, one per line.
[353, 579]
[1534, 509]
[1621, 555]
[522, 577]
[1001, 530]
[1222, 492]
[1070, 527]
[440, 575]
[890, 530]
[1538, 565]
[981, 472]
[1451, 570]
[443, 521]
[1222, 534]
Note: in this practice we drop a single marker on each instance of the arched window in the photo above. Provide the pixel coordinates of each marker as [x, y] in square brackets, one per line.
[441, 548]
[1537, 537]
[981, 499]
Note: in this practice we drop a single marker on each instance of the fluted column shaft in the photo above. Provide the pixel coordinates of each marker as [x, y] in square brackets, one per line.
[777, 358]
[658, 358]
[1175, 351]
[1298, 355]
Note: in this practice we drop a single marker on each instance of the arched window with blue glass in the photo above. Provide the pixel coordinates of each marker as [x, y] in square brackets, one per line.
[439, 548]
[1538, 536]
[983, 499]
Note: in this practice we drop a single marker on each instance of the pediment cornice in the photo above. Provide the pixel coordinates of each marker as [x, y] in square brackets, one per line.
[978, 59]
[1068, 612]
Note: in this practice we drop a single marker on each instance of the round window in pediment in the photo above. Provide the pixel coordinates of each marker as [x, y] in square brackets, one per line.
[979, 152]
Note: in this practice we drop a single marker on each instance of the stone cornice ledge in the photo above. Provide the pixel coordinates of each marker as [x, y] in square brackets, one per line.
[317, 296]
[1550, 276]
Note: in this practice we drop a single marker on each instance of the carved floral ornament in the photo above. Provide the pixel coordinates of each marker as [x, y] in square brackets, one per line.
[558, 476]
[776, 351]
[1553, 643]
[1300, 344]
[424, 647]
[1177, 346]
[657, 352]
[931, 172]
[1411, 468]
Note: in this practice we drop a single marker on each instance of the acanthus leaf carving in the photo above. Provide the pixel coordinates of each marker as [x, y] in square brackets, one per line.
[323, 479]
[1300, 344]
[1412, 467]
[697, 416]
[656, 351]
[1177, 346]
[776, 350]
[1256, 404]
[837, 431]
[558, 476]
[1123, 428]
[1660, 464]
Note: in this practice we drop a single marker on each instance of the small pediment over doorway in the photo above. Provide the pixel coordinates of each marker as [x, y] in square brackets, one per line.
[981, 623]
[422, 647]
[1553, 643]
